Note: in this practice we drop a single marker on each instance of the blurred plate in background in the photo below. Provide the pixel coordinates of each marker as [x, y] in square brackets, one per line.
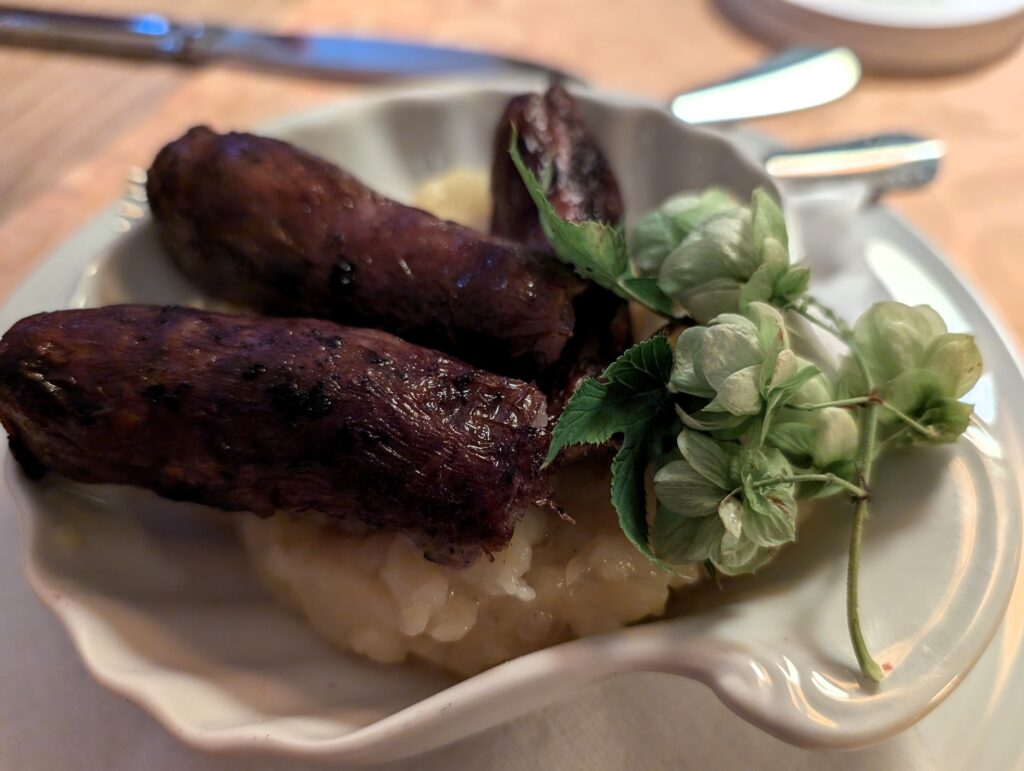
[895, 36]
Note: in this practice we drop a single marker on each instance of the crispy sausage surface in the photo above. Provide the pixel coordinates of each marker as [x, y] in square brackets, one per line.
[266, 415]
[552, 132]
[259, 222]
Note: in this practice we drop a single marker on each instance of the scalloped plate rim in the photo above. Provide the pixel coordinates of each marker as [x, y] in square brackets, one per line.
[581, 655]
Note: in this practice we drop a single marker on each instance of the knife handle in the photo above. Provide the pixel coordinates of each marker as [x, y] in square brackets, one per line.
[886, 161]
[150, 35]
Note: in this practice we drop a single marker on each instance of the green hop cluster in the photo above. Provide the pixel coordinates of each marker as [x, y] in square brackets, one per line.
[723, 503]
[732, 259]
[916, 366]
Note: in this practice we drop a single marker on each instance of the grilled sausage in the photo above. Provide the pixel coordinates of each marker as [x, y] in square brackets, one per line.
[266, 415]
[551, 132]
[259, 222]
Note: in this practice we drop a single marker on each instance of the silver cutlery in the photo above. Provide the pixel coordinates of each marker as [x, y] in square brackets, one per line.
[153, 36]
[795, 80]
[883, 162]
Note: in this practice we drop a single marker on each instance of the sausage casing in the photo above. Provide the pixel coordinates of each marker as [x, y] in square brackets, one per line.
[552, 133]
[266, 415]
[262, 223]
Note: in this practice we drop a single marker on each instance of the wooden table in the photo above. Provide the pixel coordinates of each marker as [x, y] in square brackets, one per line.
[72, 126]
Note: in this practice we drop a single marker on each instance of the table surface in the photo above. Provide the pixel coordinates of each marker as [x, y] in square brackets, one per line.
[72, 127]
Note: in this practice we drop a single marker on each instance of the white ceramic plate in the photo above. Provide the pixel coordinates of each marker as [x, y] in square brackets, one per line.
[903, 36]
[162, 607]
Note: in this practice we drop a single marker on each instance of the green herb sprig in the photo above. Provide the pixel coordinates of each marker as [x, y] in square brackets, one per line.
[755, 426]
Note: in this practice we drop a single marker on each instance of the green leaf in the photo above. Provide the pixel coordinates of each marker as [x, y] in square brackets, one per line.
[633, 391]
[948, 417]
[630, 399]
[792, 285]
[734, 556]
[712, 460]
[739, 394]
[687, 373]
[767, 220]
[629, 496]
[955, 358]
[770, 516]
[796, 439]
[761, 285]
[682, 490]
[596, 250]
[789, 387]
[678, 539]
[645, 291]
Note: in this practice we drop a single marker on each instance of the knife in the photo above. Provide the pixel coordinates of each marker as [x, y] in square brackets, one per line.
[153, 36]
[794, 80]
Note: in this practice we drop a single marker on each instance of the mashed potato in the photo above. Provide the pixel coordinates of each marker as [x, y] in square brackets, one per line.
[377, 595]
[459, 194]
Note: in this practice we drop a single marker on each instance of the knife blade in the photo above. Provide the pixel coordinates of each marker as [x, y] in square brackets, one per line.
[794, 80]
[343, 56]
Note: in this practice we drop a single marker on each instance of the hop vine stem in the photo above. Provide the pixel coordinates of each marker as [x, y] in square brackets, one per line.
[835, 326]
[832, 479]
[868, 665]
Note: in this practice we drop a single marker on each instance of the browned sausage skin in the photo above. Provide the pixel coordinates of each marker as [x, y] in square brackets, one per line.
[258, 414]
[551, 132]
[259, 222]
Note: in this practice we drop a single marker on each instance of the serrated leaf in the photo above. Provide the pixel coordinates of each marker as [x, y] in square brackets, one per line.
[633, 391]
[629, 497]
[596, 250]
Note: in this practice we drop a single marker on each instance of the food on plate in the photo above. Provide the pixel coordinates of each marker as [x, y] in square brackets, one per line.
[304, 417]
[261, 223]
[552, 134]
[411, 503]
[732, 424]
[375, 594]
[460, 194]
[553, 140]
